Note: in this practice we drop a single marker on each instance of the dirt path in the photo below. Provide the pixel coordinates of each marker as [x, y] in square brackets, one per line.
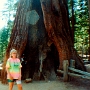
[78, 84]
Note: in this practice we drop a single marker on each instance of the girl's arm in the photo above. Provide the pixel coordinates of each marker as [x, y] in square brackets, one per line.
[20, 66]
[20, 74]
[7, 69]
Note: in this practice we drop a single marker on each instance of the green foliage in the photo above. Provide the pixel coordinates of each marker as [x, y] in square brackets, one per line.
[4, 38]
[81, 15]
[8, 15]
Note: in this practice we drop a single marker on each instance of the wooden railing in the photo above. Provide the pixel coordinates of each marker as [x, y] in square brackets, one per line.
[69, 70]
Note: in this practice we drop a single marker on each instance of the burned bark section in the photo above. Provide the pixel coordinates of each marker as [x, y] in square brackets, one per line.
[50, 63]
[31, 63]
[41, 59]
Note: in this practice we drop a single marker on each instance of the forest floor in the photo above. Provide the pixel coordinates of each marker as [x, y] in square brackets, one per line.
[75, 84]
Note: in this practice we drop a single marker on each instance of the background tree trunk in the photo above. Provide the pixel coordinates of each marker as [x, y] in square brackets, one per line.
[89, 27]
[42, 36]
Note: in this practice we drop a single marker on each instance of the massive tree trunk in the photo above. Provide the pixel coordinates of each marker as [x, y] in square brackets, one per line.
[42, 35]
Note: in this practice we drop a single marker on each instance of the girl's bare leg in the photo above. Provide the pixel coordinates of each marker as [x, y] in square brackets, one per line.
[11, 85]
[19, 86]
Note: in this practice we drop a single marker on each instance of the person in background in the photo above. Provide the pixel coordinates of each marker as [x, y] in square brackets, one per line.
[13, 68]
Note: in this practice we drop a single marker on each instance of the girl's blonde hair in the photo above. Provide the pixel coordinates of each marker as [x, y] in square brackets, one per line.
[13, 51]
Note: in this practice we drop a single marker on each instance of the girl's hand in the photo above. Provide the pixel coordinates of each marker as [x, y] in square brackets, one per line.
[11, 78]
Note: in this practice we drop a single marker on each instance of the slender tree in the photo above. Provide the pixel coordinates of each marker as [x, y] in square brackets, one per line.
[42, 35]
[89, 26]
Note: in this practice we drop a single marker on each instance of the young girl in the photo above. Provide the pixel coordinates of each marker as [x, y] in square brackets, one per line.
[13, 68]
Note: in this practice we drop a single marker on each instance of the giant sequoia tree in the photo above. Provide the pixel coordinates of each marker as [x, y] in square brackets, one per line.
[41, 33]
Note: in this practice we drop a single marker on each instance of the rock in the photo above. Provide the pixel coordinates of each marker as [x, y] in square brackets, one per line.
[28, 80]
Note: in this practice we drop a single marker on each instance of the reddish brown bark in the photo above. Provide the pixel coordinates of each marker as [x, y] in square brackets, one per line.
[18, 37]
[55, 29]
[57, 26]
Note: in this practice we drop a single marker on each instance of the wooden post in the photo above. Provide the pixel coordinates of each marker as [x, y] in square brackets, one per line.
[65, 69]
[72, 63]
